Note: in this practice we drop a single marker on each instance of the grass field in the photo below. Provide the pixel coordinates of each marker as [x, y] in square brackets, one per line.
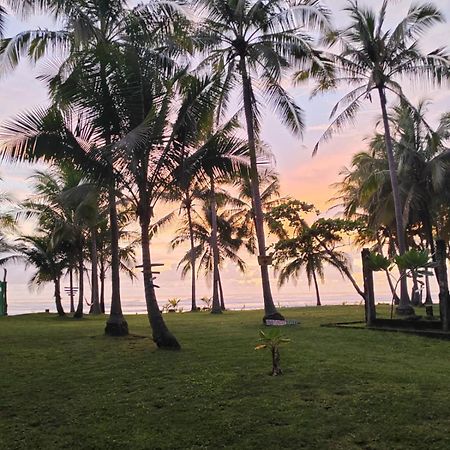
[65, 385]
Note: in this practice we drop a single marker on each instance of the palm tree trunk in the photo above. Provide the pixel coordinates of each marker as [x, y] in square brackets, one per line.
[102, 285]
[316, 285]
[428, 298]
[222, 298]
[116, 324]
[72, 303]
[193, 274]
[404, 307]
[269, 305]
[95, 303]
[216, 309]
[59, 307]
[79, 312]
[162, 337]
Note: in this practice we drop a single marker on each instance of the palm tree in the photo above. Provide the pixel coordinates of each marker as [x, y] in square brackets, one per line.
[84, 200]
[211, 250]
[48, 259]
[260, 40]
[188, 191]
[220, 155]
[65, 206]
[376, 59]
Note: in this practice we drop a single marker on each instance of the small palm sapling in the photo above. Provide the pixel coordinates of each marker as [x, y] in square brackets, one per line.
[272, 339]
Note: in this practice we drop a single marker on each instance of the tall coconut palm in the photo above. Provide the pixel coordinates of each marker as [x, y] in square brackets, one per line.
[210, 249]
[188, 191]
[376, 59]
[50, 135]
[248, 41]
[219, 157]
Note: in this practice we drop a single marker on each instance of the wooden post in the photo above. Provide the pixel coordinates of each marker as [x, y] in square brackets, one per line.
[369, 294]
[441, 269]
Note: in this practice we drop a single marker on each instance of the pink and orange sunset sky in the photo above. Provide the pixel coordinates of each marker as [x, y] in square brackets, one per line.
[302, 176]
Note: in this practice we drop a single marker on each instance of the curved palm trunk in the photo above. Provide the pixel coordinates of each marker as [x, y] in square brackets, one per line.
[193, 274]
[95, 302]
[116, 324]
[269, 305]
[404, 307]
[59, 307]
[72, 302]
[216, 308]
[79, 312]
[162, 337]
[316, 285]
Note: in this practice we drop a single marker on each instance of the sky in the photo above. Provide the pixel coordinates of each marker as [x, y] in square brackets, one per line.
[302, 176]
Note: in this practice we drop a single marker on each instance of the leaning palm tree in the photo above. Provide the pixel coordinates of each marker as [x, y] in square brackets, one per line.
[376, 59]
[247, 41]
[423, 165]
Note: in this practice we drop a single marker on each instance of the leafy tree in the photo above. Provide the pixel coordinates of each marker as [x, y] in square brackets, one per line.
[376, 59]
[309, 247]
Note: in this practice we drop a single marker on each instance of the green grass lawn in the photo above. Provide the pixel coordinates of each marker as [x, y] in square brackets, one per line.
[63, 384]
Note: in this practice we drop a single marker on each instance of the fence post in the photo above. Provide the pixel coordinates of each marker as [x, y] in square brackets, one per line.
[441, 260]
[369, 294]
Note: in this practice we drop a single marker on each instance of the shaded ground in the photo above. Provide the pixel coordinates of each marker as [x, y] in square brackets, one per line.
[64, 385]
